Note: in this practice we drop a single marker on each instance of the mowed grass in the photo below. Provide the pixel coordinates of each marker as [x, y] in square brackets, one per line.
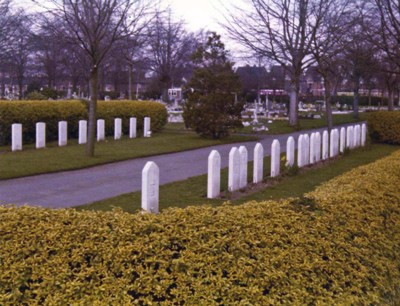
[193, 190]
[53, 158]
[282, 126]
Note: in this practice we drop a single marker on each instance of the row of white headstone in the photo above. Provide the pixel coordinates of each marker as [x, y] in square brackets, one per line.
[16, 132]
[308, 152]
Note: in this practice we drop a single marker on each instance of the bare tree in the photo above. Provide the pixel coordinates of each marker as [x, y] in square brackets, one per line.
[282, 30]
[95, 26]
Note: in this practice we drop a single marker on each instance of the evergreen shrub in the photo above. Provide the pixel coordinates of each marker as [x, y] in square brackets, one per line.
[384, 126]
[338, 245]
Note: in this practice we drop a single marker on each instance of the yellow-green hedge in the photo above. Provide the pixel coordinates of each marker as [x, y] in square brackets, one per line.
[339, 245]
[28, 113]
[384, 126]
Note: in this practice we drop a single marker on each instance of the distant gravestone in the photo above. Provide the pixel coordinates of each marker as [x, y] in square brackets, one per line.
[62, 133]
[146, 127]
[363, 134]
[342, 139]
[150, 187]
[317, 147]
[325, 145]
[243, 166]
[290, 151]
[16, 137]
[214, 175]
[132, 127]
[100, 130]
[306, 157]
[275, 158]
[117, 128]
[300, 151]
[40, 135]
[82, 132]
[349, 137]
[313, 148]
[258, 163]
[234, 170]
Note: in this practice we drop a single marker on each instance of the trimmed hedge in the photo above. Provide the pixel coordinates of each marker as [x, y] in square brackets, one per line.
[28, 113]
[384, 126]
[338, 245]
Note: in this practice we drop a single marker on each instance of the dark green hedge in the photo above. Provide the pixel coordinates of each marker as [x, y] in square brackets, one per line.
[384, 126]
[28, 113]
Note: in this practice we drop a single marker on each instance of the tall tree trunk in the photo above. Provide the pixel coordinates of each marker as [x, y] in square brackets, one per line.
[130, 82]
[92, 111]
[294, 102]
[356, 98]
[20, 86]
[369, 97]
[328, 104]
[391, 100]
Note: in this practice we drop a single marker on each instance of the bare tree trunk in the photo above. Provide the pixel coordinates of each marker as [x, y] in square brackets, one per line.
[20, 89]
[294, 102]
[391, 100]
[92, 111]
[328, 104]
[356, 98]
[130, 82]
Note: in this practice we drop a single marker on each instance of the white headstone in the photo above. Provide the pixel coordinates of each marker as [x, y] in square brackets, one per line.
[117, 128]
[342, 139]
[214, 175]
[325, 145]
[258, 163]
[146, 127]
[243, 166]
[300, 151]
[16, 137]
[101, 129]
[358, 135]
[62, 133]
[132, 127]
[313, 148]
[275, 158]
[355, 136]
[306, 157]
[317, 147]
[234, 169]
[150, 187]
[290, 151]
[334, 143]
[82, 132]
[363, 134]
[349, 137]
[40, 135]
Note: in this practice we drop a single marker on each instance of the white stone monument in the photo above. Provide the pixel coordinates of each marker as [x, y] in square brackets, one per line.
[313, 148]
[214, 175]
[363, 134]
[146, 127]
[243, 166]
[317, 147]
[290, 151]
[306, 157]
[150, 187]
[62, 133]
[325, 145]
[117, 128]
[342, 139]
[300, 151]
[275, 158]
[101, 133]
[258, 163]
[82, 132]
[234, 170]
[40, 135]
[132, 127]
[16, 137]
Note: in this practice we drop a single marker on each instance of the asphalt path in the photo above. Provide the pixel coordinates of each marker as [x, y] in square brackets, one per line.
[77, 187]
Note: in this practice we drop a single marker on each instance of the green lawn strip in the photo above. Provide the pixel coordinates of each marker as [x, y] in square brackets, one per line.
[193, 190]
[54, 159]
[282, 126]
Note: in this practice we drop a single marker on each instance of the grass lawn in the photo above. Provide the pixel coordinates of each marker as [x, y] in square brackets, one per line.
[53, 158]
[193, 190]
[282, 127]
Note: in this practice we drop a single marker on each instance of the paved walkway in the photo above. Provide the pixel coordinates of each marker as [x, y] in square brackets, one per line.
[72, 188]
